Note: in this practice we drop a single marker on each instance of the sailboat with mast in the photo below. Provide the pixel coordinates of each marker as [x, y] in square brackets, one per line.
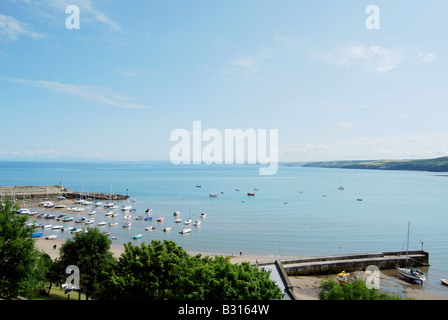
[410, 272]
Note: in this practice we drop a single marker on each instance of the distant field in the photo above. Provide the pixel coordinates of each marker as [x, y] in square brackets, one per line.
[432, 165]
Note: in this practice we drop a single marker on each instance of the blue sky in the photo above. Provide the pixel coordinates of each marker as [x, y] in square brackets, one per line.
[137, 70]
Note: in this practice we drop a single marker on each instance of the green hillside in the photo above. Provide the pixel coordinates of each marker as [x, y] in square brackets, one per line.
[432, 165]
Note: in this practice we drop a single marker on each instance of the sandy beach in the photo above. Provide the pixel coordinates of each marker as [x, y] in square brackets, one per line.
[304, 287]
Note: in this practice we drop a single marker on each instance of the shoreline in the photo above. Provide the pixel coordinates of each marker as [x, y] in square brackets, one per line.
[304, 287]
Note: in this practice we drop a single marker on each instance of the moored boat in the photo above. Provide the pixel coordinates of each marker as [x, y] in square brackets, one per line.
[102, 223]
[197, 223]
[185, 231]
[149, 228]
[444, 281]
[137, 236]
[37, 235]
[160, 219]
[127, 224]
[167, 229]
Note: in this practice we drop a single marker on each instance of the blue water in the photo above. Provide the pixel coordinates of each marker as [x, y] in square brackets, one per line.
[297, 212]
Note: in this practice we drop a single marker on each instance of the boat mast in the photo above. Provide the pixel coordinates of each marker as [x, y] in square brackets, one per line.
[407, 245]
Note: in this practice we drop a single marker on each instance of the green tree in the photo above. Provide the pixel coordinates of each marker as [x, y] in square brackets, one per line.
[22, 266]
[90, 252]
[357, 290]
[162, 270]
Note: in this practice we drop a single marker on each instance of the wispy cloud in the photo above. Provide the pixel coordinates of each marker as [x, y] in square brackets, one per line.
[241, 65]
[12, 29]
[372, 58]
[96, 94]
[88, 11]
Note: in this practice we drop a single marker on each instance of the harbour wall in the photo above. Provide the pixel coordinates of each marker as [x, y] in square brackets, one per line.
[352, 262]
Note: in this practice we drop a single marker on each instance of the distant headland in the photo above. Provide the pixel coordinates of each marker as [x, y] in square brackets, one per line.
[431, 165]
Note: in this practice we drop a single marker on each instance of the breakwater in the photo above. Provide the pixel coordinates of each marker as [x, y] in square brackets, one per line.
[352, 262]
[44, 191]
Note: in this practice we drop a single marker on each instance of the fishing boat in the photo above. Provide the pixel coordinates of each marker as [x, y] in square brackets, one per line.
[185, 231]
[410, 272]
[344, 278]
[197, 223]
[149, 228]
[127, 224]
[444, 281]
[137, 236]
[167, 229]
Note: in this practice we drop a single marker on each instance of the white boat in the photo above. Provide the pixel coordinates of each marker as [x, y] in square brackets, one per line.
[50, 237]
[48, 204]
[108, 213]
[185, 231]
[203, 215]
[444, 281]
[149, 228]
[127, 224]
[76, 230]
[167, 229]
[127, 217]
[98, 204]
[409, 272]
[89, 221]
[137, 236]
[57, 227]
[114, 215]
[60, 206]
[23, 211]
[113, 224]
[109, 204]
[133, 200]
[160, 219]
[91, 213]
[77, 209]
[188, 221]
[148, 211]
[212, 195]
[71, 208]
[126, 208]
[68, 229]
[100, 224]
[67, 219]
[197, 223]
[178, 220]
[176, 213]
[47, 226]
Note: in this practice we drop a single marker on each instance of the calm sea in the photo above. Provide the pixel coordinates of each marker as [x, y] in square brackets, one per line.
[297, 212]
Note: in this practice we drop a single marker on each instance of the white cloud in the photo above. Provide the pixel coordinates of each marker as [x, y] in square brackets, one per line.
[372, 58]
[12, 29]
[96, 94]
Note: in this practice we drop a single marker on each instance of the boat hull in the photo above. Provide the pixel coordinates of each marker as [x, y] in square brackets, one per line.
[408, 273]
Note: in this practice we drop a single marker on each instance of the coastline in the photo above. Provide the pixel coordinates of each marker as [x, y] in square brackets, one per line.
[304, 287]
